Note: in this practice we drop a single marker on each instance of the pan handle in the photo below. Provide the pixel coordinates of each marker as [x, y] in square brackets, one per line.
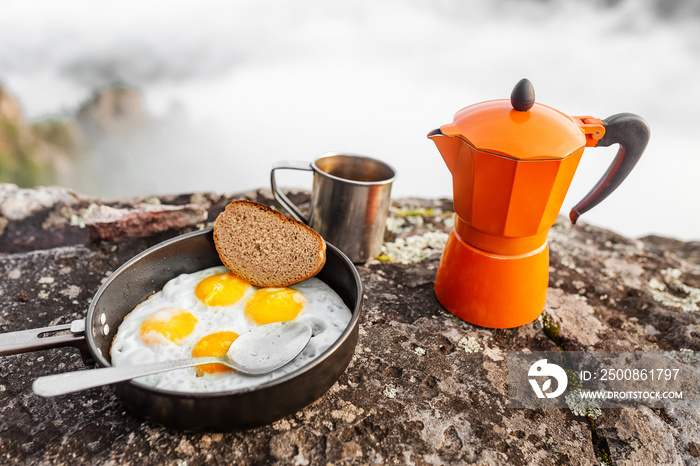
[25, 341]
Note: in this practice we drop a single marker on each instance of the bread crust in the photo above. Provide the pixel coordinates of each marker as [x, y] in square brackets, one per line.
[271, 240]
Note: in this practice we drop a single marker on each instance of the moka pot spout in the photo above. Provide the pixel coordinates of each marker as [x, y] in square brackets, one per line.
[449, 147]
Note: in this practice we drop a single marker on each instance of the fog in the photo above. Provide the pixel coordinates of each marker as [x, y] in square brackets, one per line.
[247, 83]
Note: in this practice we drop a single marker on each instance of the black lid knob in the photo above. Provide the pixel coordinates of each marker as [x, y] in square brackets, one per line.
[523, 96]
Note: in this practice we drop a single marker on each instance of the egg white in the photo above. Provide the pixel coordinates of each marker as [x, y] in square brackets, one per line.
[324, 311]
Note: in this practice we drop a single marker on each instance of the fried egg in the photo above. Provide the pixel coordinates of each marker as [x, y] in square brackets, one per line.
[167, 325]
[214, 344]
[270, 305]
[221, 289]
[202, 313]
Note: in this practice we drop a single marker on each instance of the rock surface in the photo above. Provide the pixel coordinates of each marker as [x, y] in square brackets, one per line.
[76, 146]
[113, 110]
[35, 153]
[423, 386]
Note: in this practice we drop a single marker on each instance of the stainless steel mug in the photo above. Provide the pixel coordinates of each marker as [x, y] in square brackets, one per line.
[349, 201]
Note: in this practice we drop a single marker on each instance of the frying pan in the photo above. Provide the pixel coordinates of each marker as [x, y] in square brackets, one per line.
[223, 411]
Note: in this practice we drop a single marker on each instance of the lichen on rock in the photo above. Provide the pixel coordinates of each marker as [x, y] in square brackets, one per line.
[413, 248]
[583, 406]
[18, 203]
[673, 292]
[469, 344]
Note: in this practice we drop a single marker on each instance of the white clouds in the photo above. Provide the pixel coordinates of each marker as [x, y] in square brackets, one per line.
[278, 80]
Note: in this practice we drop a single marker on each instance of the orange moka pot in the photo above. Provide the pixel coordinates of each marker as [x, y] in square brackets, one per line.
[512, 162]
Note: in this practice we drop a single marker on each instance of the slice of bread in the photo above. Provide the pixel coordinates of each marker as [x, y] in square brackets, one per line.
[264, 247]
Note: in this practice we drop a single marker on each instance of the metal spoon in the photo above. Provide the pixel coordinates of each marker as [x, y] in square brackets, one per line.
[257, 352]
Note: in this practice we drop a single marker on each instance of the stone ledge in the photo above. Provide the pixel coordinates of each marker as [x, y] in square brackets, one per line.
[423, 386]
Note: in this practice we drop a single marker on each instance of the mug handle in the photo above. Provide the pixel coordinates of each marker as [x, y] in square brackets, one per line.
[280, 196]
[632, 133]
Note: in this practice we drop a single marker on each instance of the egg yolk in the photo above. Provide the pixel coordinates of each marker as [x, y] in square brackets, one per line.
[167, 325]
[215, 344]
[274, 305]
[222, 289]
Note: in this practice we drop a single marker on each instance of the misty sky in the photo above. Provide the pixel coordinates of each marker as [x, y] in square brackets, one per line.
[260, 81]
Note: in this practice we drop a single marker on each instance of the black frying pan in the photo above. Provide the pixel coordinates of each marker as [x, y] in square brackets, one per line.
[146, 274]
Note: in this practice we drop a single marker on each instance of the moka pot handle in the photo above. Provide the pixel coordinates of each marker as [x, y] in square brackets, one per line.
[632, 133]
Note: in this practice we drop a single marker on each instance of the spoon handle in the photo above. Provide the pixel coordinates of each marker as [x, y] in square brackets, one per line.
[69, 382]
